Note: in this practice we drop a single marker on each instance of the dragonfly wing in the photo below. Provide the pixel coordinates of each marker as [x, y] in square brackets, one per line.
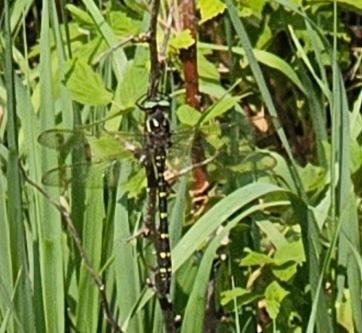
[108, 146]
[90, 175]
[58, 139]
[228, 146]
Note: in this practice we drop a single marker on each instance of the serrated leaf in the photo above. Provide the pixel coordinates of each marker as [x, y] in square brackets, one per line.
[181, 40]
[255, 259]
[274, 295]
[210, 9]
[123, 25]
[248, 8]
[188, 115]
[86, 86]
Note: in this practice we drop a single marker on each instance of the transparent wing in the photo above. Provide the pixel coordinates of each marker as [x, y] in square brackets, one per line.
[90, 175]
[106, 146]
[225, 145]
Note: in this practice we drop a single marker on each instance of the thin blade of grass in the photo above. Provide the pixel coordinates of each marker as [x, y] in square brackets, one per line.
[49, 227]
[119, 56]
[23, 298]
[127, 280]
[88, 302]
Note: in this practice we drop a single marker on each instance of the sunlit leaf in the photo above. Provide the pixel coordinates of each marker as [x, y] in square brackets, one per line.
[255, 259]
[244, 296]
[86, 86]
[221, 107]
[274, 295]
[188, 115]
[285, 272]
[123, 25]
[80, 15]
[292, 251]
[182, 40]
[210, 9]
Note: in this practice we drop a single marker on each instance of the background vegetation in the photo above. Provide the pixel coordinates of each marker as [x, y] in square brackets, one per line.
[275, 249]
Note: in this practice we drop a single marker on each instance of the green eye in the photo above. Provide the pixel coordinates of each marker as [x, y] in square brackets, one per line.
[153, 104]
[149, 104]
[158, 101]
[164, 103]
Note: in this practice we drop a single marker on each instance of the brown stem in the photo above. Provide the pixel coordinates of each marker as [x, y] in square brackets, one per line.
[188, 57]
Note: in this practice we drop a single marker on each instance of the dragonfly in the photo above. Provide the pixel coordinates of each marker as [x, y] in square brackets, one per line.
[156, 150]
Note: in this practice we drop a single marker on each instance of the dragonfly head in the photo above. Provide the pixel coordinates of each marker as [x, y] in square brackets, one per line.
[158, 125]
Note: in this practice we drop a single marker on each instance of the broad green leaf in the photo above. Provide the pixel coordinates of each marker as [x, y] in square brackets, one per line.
[255, 259]
[279, 64]
[123, 25]
[80, 15]
[89, 51]
[222, 106]
[135, 183]
[244, 296]
[344, 313]
[210, 9]
[313, 177]
[274, 295]
[285, 272]
[272, 232]
[86, 86]
[266, 58]
[132, 86]
[182, 40]
[321, 211]
[292, 251]
[248, 8]
[356, 156]
[207, 69]
[188, 115]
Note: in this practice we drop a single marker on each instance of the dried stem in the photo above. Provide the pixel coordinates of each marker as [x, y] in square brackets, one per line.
[67, 220]
[188, 57]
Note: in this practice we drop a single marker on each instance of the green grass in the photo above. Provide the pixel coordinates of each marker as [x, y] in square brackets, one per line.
[291, 235]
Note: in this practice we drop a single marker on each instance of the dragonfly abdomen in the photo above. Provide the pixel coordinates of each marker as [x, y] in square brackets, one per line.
[163, 253]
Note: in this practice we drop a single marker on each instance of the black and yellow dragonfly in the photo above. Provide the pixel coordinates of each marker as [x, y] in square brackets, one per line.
[156, 149]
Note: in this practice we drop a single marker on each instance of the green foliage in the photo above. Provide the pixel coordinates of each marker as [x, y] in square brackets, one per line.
[180, 41]
[209, 9]
[281, 143]
[85, 85]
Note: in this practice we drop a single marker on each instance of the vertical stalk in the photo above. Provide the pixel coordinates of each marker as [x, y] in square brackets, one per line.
[187, 9]
[23, 298]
